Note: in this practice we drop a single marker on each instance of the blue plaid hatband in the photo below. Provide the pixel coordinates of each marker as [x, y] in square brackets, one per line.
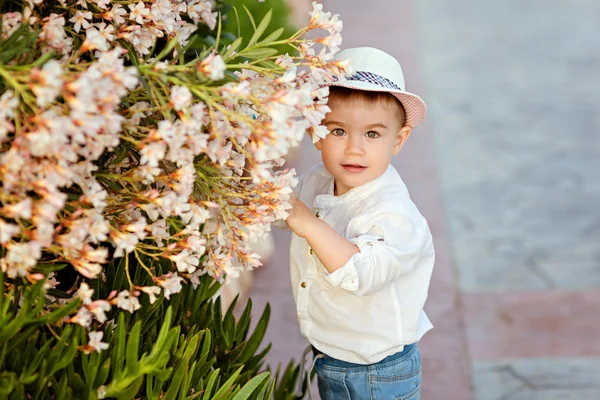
[370, 77]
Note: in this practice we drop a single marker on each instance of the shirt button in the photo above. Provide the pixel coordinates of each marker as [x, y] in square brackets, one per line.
[303, 284]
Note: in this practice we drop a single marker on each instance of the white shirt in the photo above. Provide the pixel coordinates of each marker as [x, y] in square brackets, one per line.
[373, 305]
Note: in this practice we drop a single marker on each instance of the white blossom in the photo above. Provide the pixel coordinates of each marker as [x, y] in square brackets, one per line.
[96, 341]
[171, 283]
[128, 302]
[81, 20]
[213, 66]
[138, 12]
[8, 231]
[152, 292]
[85, 293]
[180, 97]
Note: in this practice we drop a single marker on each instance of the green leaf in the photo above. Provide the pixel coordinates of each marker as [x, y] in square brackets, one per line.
[8, 381]
[48, 267]
[120, 153]
[251, 386]
[227, 387]
[229, 323]
[262, 27]
[8, 43]
[243, 325]
[168, 48]
[219, 28]
[237, 20]
[64, 352]
[257, 335]
[249, 16]
[228, 51]
[273, 36]
[130, 392]
[131, 356]
[42, 353]
[102, 374]
[210, 385]
[261, 52]
[55, 315]
[118, 353]
[175, 384]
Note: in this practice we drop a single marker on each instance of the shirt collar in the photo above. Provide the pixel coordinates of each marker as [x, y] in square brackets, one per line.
[355, 194]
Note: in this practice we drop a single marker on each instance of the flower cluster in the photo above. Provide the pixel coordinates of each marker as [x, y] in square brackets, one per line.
[170, 159]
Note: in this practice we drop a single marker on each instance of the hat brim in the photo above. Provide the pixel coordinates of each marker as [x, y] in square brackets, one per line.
[414, 106]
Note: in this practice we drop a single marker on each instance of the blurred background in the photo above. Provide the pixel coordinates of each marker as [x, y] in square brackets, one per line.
[506, 169]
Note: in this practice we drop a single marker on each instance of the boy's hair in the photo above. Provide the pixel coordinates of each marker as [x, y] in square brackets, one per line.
[361, 97]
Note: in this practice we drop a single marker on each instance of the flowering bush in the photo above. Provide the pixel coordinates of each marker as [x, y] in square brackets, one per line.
[141, 154]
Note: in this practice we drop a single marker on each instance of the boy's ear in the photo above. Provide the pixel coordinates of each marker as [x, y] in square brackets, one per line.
[318, 144]
[401, 138]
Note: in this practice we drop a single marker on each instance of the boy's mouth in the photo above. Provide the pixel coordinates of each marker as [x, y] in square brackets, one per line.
[354, 167]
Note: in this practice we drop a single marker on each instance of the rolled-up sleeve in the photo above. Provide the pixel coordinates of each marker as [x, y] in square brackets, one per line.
[391, 247]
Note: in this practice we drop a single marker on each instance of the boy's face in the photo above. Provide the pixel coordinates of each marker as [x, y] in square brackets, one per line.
[362, 140]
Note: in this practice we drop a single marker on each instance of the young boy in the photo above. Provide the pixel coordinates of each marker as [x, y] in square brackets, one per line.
[361, 253]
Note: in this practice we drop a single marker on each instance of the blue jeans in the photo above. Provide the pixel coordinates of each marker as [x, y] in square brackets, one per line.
[397, 377]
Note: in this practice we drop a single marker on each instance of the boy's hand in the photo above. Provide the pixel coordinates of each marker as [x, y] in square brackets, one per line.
[300, 217]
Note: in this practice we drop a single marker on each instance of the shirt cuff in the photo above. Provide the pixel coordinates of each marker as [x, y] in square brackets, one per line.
[346, 277]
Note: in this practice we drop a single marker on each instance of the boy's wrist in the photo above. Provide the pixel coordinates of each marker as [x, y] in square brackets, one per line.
[307, 225]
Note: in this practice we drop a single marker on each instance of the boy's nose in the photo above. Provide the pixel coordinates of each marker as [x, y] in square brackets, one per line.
[354, 144]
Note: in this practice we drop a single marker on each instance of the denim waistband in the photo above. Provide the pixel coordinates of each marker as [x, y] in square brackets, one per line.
[334, 362]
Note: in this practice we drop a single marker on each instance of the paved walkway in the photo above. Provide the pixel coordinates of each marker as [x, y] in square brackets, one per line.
[506, 170]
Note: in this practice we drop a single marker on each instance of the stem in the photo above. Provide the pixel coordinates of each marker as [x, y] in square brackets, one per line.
[127, 271]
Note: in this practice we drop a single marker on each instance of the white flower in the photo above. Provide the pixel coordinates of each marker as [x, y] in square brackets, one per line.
[180, 97]
[51, 282]
[106, 31]
[185, 261]
[81, 20]
[102, 392]
[197, 243]
[96, 195]
[8, 103]
[171, 283]
[96, 341]
[147, 173]
[152, 292]
[138, 228]
[138, 12]
[116, 14]
[7, 231]
[83, 317]
[50, 79]
[99, 230]
[20, 258]
[152, 153]
[10, 23]
[160, 231]
[94, 40]
[85, 293]
[88, 261]
[196, 216]
[21, 209]
[213, 66]
[319, 132]
[128, 302]
[124, 242]
[102, 3]
[99, 309]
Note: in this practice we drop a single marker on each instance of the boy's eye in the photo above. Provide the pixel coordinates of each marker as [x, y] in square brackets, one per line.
[372, 135]
[338, 132]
